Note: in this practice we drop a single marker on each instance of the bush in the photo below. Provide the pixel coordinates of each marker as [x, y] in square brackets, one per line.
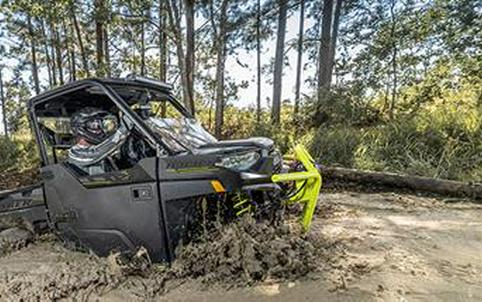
[403, 147]
[8, 154]
[335, 146]
[18, 153]
[435, 130]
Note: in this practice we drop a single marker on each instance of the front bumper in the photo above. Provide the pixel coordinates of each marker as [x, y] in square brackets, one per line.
[307, 184]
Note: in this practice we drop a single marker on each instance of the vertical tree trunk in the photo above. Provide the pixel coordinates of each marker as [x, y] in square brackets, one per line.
[143, 48]
[175, 25]
[258, 62]
[278, 62]
[134, 56]
[334, 38]
[58, 56]
[324, 52]
[99, 36]
[107, 52]
[299, 60]
[52, 52]
[4, 111]
[220, 66]
[79, 40]
[72, 51]
[162, 42]
[68, 50]
[33, 53]
[394, 58]
[46, 51]
[162, 50]
[190, 63]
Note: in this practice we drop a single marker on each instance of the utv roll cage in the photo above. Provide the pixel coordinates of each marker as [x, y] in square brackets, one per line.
[105, 85]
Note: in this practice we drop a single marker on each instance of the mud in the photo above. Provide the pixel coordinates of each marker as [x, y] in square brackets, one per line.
[246, 252]
[368, 247]
[13, 239]
[44, 270]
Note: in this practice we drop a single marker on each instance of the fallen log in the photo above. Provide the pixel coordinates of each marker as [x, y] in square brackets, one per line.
[416, 183]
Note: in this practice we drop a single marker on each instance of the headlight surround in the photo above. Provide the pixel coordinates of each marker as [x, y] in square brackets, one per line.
[239, 162]
[277, 160]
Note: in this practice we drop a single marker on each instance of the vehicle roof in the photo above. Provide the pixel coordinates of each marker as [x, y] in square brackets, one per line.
[131, 80]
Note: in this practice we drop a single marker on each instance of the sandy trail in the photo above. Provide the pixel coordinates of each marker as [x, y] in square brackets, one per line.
[395, 248]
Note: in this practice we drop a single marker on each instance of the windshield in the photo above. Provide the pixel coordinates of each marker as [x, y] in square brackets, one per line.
[181, 133]
[166, 118]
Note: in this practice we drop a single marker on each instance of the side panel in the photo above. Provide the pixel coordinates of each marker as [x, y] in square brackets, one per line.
[107, 213]
[184, 181]
[25, 205]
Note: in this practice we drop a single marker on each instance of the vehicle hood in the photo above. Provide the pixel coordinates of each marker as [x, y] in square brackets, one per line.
[263, 144]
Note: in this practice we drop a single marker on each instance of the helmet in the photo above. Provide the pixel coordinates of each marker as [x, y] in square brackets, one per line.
[94, 125]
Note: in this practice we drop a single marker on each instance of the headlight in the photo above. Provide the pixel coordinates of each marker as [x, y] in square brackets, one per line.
[239, 162]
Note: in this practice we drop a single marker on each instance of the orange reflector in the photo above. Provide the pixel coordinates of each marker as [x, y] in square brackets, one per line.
[218, 186]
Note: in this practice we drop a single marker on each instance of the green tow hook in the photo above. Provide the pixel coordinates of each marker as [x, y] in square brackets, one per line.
[308, 184]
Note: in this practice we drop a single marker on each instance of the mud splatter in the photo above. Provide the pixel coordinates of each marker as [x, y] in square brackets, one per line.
[13, 239]
[246, 252]
[242, 253]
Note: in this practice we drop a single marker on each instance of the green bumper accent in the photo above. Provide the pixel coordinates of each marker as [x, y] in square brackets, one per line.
[308, 184]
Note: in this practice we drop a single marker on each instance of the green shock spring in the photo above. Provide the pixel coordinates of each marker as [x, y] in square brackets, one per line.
[242, 204]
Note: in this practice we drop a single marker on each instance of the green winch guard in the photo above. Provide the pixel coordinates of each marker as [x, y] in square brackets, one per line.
[308, 184]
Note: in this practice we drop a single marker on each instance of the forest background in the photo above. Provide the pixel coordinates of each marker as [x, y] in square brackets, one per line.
[385, 85]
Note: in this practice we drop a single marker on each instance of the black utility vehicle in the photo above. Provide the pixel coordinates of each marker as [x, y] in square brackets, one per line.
[152, 168]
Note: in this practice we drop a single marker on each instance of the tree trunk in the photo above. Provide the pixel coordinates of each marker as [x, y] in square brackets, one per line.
[72, 51]
[143, 48]
[394, 58]
[46, 51]
[52, 52]
[278, 62]
[162, 50]
[33, 53]
[79, 40]
[68, 51]
[334, 38]
[175, 22]
[107, 52]
[393, 180]
[258, 62]
[4, 111]
[99, 35]
[58, 56]
[220, 66]
[162, 42]
[190, 60]
[324, 79]
[299, 61]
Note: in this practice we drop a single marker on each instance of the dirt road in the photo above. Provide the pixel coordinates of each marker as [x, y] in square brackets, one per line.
[394, 248]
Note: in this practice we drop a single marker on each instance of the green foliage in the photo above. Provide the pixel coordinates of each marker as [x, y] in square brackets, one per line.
[242, 123]
[18, 153]
[8, 154]
[436, 131]
[407, 96]
[335, 146]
